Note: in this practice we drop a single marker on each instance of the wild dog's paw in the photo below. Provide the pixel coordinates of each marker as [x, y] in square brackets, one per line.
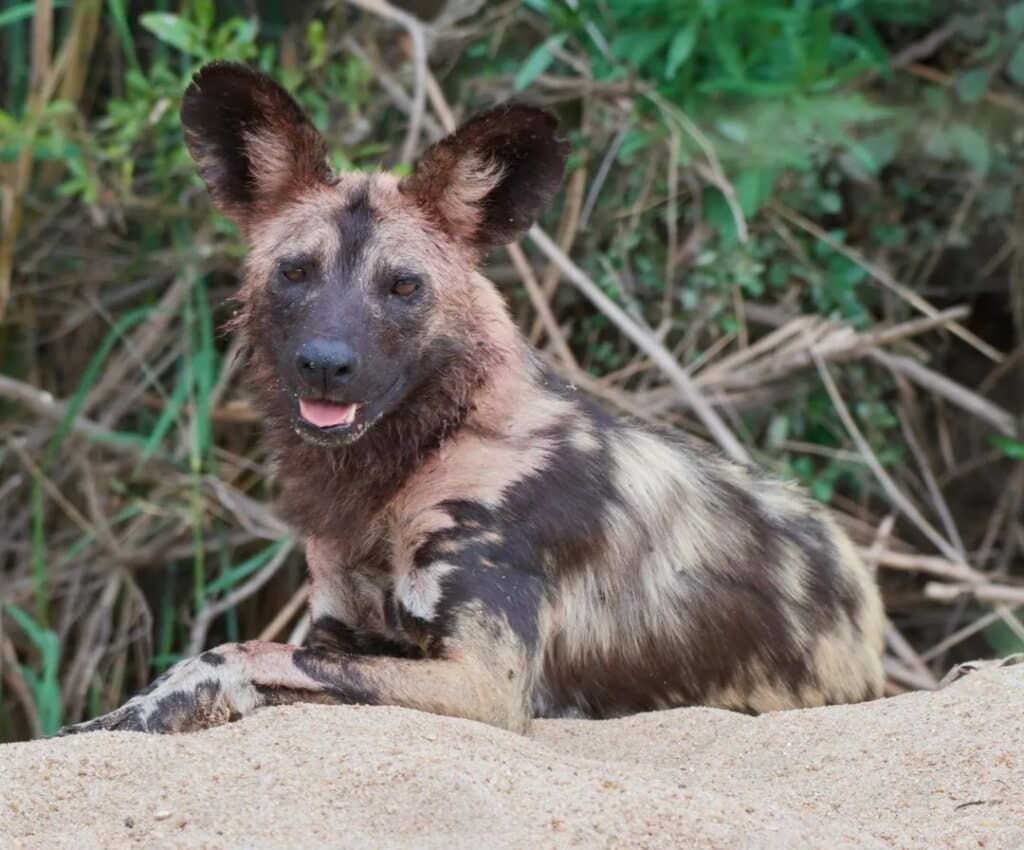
[127, 718]
[961, 670]
[194, 694]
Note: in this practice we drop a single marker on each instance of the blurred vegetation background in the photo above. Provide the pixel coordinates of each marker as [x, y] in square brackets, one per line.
[814, 208]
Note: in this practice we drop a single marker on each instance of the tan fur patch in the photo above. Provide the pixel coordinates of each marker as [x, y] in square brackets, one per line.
[419, 591]
[271, 158]
[469, 183]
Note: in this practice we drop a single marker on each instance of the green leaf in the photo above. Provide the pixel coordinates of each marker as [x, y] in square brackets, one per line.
[637, 141]
[935, 99]
[233, 575]
[204, 13]
[972, 85]
[822, 490]
[640, 44]
[1015, 67]
[778, 430]
[680, 48]
[831, 202]
[937, 142]
[164, 422]
[718, 215]
[236, 39]
[1003, 640]
[753, 187]
[1009, 447]
[317, 40]
[538, 61]
[1015, 17]
[972, 146]
[124, 32]
[998, 201]
[43, 681]
[172, 30]
[734, 130]
[877, 150]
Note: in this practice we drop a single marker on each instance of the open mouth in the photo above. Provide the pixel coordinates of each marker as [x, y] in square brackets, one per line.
[327, 414]
[330, 423]
[334, 423]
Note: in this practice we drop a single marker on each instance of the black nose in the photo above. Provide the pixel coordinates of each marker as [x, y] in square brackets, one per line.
[325, 364]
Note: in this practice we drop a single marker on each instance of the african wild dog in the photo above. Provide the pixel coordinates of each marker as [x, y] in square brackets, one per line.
[483, 541]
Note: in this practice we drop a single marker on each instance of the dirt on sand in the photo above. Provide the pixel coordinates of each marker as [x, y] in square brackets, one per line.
[925, 770]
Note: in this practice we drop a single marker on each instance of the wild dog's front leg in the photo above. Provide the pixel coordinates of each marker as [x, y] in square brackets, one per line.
[196, 694]
[481, 671]
[480, 675]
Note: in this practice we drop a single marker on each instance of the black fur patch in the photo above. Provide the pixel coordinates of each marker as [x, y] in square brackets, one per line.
[214, 659]
[185, 710]
[355, 229]
[338, 674]
[831, 591]
[514, 594]
[330, 633]
[739, 618]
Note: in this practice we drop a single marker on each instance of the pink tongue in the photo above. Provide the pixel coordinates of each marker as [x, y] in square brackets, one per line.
[324, 414]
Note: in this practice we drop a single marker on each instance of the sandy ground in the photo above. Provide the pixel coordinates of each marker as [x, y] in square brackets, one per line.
[924, 770]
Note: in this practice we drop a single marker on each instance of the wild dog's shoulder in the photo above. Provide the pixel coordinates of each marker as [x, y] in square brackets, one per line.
[523, 484]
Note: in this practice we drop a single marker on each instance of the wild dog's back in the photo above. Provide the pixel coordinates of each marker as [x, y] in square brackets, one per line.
[704, 583]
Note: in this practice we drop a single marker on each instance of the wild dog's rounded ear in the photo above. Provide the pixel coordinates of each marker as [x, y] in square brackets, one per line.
[487, 182]
[251, 142]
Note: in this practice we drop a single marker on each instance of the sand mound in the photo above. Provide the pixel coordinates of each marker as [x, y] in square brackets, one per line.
[925, 770]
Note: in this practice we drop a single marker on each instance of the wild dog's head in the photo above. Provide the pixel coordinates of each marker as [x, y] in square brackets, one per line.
[360, 299]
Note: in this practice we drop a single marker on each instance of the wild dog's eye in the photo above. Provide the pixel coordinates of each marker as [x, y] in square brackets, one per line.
[405, 286]
[296, 274]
